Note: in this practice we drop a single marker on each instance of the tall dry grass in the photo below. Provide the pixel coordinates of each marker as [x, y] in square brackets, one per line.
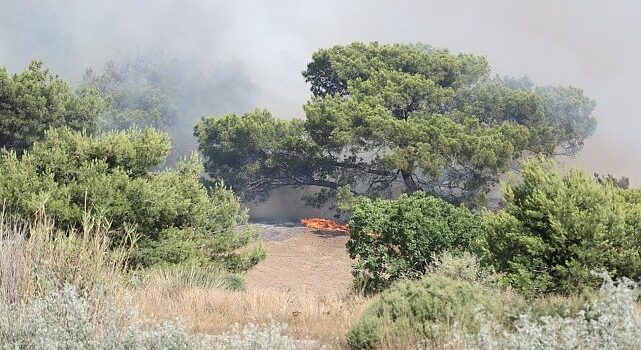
[35, 259]
[215, 311]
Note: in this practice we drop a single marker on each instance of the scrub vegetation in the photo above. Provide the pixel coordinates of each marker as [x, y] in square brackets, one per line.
[106, 243]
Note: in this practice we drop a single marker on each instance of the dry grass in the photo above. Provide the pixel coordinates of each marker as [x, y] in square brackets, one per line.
[35, 259]
[214, 311]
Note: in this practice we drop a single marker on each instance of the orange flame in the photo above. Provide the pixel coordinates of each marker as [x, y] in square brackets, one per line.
[324, 224]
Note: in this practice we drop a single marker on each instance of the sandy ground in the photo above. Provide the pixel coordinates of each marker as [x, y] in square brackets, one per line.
[299, 258]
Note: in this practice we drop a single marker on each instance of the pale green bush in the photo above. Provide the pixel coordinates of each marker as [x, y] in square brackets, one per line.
[253, 337]
[463, 267]
[612, 321]
[64, 320]
[416, 309]
[428, 308]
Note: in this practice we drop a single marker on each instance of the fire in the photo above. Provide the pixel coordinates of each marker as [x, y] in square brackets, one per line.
[324, 224]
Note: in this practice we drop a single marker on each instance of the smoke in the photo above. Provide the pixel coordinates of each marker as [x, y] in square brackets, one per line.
[264, 45]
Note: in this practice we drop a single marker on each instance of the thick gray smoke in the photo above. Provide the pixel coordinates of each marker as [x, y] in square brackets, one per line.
[590, 44]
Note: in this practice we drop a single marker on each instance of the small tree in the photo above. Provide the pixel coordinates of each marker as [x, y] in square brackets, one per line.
[397, 239]
[35, 100]
[558, 227]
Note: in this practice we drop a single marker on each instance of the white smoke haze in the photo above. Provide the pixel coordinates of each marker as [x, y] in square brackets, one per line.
[590, 44]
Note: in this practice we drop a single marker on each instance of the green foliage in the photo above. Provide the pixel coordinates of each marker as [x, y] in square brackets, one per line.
[168, 214]
[397, 239]
[558, 227]
[332, 69]
[243, 262]
[241, 148]
[568, 110]
[418, 309]
[35, 100]
[623, 182]
[396, 116]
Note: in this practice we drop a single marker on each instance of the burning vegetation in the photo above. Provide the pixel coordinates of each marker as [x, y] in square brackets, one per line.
[324, 224]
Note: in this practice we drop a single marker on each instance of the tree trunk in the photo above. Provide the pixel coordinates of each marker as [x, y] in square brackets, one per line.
[410, 182]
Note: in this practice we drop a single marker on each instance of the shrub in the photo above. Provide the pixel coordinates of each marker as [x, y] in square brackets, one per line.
[169, 215]
[64, 320]
[612, 321]
[396, 239]
[64, 290]
[411, 310]
[464, 267]
[556, 228]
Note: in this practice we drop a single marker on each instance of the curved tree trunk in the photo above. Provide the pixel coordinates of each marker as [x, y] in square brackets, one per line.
[410, 182]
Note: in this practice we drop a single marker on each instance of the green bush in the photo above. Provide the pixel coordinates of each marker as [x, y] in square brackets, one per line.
[556, 228]
[412, 310]
[168, 215]
[396, 239]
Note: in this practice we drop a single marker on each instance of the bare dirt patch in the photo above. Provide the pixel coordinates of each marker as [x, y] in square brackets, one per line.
[312, 260]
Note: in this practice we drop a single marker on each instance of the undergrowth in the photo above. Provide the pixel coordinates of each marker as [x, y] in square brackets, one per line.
[611, 321]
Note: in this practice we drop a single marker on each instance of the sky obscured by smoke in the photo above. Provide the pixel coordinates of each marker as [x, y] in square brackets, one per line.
[266, 44]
